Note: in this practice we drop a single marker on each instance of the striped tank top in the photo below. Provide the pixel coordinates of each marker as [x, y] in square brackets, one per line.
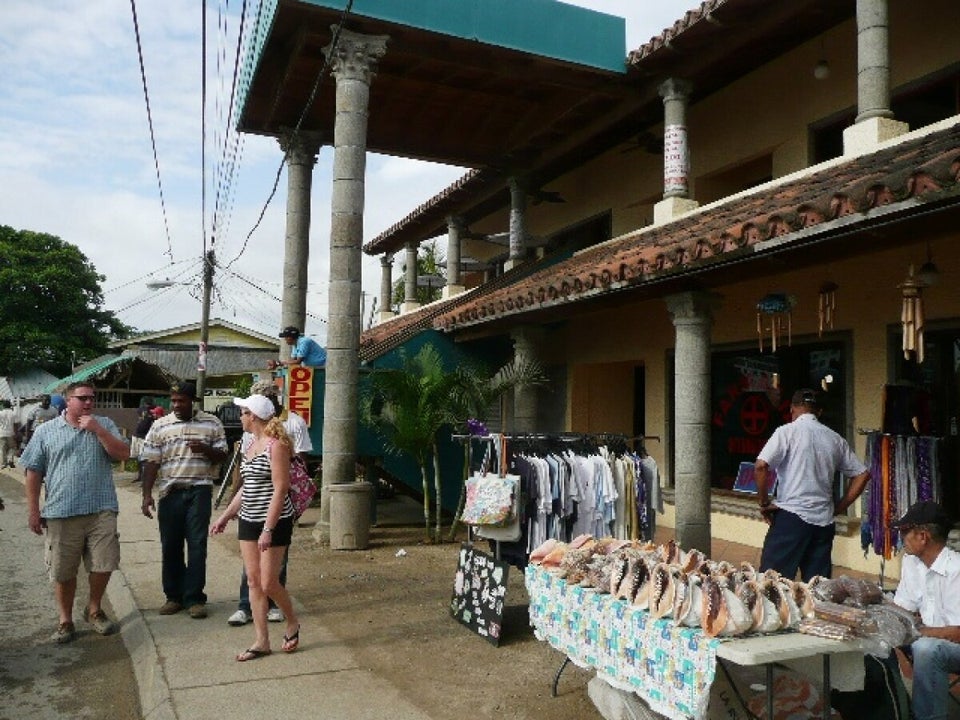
[257, 490]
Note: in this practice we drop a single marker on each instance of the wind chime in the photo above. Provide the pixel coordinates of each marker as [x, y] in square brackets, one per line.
[826, 306]
[911, 316]
[779, 308]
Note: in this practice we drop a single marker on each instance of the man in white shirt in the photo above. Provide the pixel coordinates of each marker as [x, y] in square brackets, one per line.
[8, 434]
[806, 455]
[929, 586]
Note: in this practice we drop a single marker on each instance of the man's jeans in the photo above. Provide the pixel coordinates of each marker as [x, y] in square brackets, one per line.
[933, 661]
[244, 603]
[184, 517]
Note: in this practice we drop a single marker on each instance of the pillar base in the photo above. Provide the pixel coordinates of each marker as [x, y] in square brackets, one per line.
[450, 290]
[672, 208]
[511, 264]
[385, 315]
[350, 515]
[408, 307]
[864, 137]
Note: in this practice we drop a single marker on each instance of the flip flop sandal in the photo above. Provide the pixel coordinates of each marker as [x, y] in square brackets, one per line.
[252, 654]
[290, 644]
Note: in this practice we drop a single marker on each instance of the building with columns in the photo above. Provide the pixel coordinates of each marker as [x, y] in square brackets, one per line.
[747, 224]
[760, 198]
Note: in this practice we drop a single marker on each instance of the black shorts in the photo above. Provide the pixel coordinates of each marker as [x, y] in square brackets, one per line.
[280, 536]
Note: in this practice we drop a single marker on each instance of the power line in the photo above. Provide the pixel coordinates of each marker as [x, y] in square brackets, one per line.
[153, 141]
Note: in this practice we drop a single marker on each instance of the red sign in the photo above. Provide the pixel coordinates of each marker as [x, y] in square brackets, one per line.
[300, 391]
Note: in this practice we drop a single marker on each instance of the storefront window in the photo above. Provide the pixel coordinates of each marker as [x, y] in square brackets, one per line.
[750, 398]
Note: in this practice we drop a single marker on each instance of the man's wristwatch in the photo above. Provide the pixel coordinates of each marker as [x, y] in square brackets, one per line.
[267, 530]
[765, 502]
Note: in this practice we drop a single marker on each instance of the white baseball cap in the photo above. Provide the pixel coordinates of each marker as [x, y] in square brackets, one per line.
[258, 405]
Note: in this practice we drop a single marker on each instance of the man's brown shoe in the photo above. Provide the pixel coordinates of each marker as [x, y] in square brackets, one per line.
[100, 622]
[65, 633]
[170, 607]
[198, 611]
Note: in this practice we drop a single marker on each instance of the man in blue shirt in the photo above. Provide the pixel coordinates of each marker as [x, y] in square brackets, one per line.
[306, 351]
[73, 455]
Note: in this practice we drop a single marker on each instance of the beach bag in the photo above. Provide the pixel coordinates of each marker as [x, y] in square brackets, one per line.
[491, 500]
[507, 530]
[302, 487]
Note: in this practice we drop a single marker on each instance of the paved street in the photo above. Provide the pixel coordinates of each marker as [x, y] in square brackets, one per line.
[89, 678]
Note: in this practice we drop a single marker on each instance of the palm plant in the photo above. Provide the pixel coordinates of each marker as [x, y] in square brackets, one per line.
[410, 405]
[407, 406]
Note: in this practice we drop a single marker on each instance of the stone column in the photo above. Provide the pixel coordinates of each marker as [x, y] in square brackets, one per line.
[874, 123]
[454, 229]
[410, 303]
[518, 223]
[353, 62]
[526, 346]
[676, 153]
[300, 154]
[692, 318]
[386, 288]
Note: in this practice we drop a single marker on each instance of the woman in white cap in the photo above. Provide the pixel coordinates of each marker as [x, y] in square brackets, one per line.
[266, 518]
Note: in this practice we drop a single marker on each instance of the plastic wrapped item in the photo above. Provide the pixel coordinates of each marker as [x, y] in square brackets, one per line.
[894, 627]
[857, 619]
[860, 592]
[828, 590]
[826, 629]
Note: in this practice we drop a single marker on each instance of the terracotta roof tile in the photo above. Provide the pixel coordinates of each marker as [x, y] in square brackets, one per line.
[921, 167]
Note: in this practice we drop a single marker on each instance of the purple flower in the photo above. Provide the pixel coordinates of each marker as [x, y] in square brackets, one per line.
[476, 427]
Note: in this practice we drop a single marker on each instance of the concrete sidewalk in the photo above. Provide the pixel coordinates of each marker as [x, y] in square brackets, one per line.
[185, 668]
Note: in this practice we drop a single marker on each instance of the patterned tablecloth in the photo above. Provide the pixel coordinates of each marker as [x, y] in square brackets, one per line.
[671, 668]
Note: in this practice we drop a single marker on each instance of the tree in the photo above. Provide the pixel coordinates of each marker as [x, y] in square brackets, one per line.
[430, 261]
[51, 306]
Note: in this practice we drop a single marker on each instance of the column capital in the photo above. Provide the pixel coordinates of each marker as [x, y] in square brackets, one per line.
[675, 89]
[300, 147]
[696, 306]
[356, 55]
[386, 260]
[457, 222]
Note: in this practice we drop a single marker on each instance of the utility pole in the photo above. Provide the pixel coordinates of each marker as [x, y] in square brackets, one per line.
[208, 263]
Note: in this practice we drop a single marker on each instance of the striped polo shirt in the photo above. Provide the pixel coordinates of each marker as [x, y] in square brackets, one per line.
[167, 445]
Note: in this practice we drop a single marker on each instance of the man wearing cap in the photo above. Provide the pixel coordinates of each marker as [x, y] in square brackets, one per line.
[183, 450]
[306, 351]
[929, 586]
[806, 455]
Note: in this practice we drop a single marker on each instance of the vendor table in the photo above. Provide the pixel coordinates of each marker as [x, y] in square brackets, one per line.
[670, 667]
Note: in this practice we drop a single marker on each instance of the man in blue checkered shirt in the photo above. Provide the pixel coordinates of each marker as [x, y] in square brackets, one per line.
[72, 456]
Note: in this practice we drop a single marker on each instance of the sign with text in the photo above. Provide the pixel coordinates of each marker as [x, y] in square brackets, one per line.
[300, 391]
[479, 591]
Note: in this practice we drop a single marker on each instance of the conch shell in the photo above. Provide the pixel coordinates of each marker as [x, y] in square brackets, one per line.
[723, 613]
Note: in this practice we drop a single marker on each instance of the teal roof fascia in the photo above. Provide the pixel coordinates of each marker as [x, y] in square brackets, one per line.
[549, 28]
[252, 51]
[87, 372]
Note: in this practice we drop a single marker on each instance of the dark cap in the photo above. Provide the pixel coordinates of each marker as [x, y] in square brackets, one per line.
[926, 512]
[805, 396]
[184, 387]
[290, 331]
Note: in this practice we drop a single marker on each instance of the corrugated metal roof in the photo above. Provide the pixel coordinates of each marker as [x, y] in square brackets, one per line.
[28, 384]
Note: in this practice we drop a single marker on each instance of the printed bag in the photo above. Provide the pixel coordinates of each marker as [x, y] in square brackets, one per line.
[490, 500]
[302, 487]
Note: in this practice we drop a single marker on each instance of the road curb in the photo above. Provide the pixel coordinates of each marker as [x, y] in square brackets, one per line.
[156, 702]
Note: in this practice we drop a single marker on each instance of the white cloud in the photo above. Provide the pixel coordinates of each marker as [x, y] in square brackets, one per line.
[76, 160]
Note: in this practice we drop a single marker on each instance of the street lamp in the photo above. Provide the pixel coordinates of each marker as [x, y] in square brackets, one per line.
[208, 264]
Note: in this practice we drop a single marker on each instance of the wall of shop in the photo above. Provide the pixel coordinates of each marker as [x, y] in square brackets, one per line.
[602, 346]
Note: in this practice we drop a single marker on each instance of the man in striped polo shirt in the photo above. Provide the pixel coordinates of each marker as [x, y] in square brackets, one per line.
[182, 452]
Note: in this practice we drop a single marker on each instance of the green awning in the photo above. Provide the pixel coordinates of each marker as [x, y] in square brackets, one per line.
[90, 371]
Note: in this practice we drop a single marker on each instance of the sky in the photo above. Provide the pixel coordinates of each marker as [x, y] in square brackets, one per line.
[76, 159]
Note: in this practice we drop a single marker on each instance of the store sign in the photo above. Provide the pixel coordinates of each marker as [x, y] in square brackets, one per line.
[300, 391]
[479, 592]
[676, 158]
